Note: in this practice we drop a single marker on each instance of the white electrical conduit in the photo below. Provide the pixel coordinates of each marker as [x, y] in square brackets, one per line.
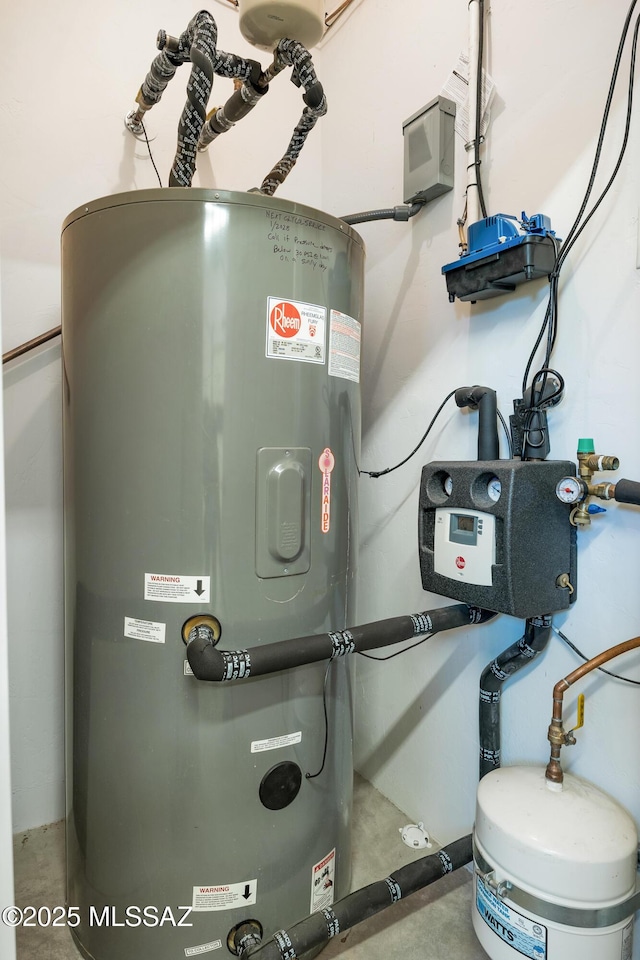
[473, 201]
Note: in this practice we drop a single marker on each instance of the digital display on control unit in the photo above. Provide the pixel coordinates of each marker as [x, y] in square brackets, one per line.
[463, 529]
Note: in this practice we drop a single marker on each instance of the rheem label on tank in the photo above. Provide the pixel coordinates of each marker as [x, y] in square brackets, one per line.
[526, 936]
[295, 331]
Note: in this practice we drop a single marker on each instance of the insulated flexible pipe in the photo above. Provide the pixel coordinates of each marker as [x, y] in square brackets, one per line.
[557, 735]
[294, 54]
[197, 44]
[627, 491]
[240, 103]
[320, 927]
[536, 637]
[402, 213]
[208, 663]
[485, 401]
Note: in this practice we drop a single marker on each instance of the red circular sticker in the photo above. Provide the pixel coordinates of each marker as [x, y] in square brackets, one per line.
[285, 320]
[327, 460]
[460, 563]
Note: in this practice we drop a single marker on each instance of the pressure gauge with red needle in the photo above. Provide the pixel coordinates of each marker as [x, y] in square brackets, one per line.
[569, 490]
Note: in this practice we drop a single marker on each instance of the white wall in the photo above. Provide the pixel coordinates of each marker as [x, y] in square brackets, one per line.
[61, 112]
[64, 96]
[417, 715]
[7, 934]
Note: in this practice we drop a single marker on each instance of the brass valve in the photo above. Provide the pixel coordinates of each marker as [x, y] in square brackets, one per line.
[578, 490]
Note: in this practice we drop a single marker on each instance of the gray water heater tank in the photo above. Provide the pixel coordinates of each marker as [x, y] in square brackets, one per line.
[211, 350]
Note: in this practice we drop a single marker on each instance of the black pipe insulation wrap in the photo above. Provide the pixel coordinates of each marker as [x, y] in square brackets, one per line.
[319, 928]
[162, 70]
[627, 491]
[313, 96]
[292, 53]
[209, 663]
[527, 648]
[485, 401]
[203, 34]
[240, 103]
[168, 60]
[198, 44]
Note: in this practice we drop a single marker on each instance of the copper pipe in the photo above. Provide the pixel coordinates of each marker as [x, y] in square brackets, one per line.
[556, 734]
[333, 17]
[31, 344]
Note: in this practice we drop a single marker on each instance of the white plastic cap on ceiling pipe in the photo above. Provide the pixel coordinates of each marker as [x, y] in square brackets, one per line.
[264, 22]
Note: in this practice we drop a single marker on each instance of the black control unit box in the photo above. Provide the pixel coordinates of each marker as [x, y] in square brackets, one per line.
[493, 533]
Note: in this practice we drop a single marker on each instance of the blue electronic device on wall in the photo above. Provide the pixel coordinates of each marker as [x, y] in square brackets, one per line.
[503, 252]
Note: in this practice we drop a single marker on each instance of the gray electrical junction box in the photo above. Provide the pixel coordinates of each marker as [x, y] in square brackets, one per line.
[493, 533]
[428, 151]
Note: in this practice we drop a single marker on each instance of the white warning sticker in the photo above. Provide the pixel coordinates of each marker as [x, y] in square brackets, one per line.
[188, 672]
[224, 896]
[295, 331]
[344, 347]
[144, 630]
[323, 876]
[203, 948]
[275, 743]
[176, 588]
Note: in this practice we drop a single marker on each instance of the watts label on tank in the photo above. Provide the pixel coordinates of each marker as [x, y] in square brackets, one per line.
[295, 331]
[177, 588]
[526, 936]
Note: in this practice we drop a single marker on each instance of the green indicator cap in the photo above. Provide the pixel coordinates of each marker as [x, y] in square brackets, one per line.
[586, 445]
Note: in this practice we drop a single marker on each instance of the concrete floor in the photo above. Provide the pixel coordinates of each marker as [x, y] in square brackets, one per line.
[427, 926]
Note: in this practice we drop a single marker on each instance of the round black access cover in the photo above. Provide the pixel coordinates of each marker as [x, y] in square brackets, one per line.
[280, 785]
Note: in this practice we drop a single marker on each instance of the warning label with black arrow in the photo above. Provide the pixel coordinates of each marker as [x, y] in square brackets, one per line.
[224, 896]
[177, 588]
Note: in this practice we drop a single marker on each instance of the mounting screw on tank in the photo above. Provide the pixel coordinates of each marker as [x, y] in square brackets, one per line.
[203, 625]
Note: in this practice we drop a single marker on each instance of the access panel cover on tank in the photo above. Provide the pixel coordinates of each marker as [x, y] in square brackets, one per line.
[211, 349]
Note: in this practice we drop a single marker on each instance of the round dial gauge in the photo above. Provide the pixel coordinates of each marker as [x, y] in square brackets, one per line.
[448, 486]
[494, 489]
[569, 490]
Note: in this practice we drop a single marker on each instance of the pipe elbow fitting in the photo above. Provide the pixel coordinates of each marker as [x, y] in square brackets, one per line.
[554, 772]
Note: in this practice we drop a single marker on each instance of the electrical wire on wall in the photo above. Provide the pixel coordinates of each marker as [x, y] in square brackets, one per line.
[583, 656]
[375, 474]
[536, 389]
[150, 154]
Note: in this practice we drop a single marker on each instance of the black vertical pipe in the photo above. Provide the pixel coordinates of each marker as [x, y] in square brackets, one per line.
[536, 637]
[484, 400]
